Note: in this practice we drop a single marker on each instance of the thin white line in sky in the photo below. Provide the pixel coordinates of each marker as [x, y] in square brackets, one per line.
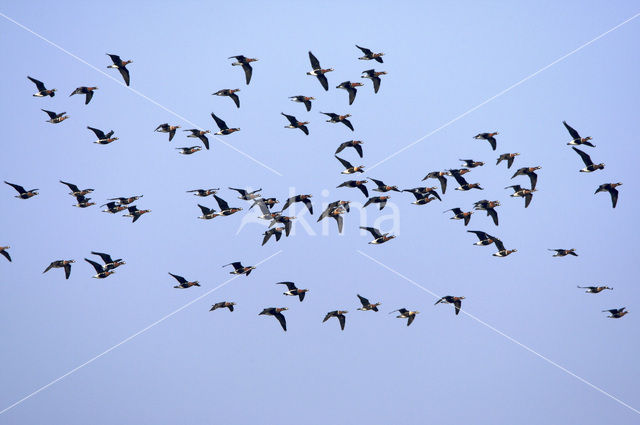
[513, 86]
[141, 331]
[532, 351]
[175, 114]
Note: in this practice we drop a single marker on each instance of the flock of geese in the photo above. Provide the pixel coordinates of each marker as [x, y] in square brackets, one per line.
[335, 210]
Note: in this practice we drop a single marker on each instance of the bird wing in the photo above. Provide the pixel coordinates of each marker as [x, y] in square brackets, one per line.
[53, 263]
[376, 84]
[221, 203]
[461, 180]
[458, 305]
[443, 183]
[287, 227]
[352, 94]
[534, 179]
[304, 129]
[375, 232]
[323, 81]
[340, 221]
[411, 319]
[115, 59]
[204, 209]
[315, 63]
[67, 270]
[99, 133]
[492, 142]
[494, 215]
[203, 138]
[365, 302]
[346, 164]
[51, 114]
[282, 320]
[348, 124]
[221, 124]
[614, 196]
[366, 51]
[72, 186]
[125, 75]
[98, 267]
[105, 257]
[481, 235]
[292, 120]
[6, 255]
[499, 244]
[571, 130]
[527, 199]
[88, 97]
[307, 203]
[358, 149]
[235, 98]
[17, 187]
[585, 157]
[290, 285]
[342, 319]
[307, 104]
[39, 84]
[180, 279]
[248, 71]
[263, 207]
[267, 236]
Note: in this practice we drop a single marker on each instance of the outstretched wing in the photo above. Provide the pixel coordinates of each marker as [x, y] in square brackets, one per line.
[248, 71]
[290, 285]
[292, 120]
[375, 232]
[99, 133]
[98, 267]
[221, 203]
[180, 279]
[585, 157]
[39, 84]
[571, 130]
[220, 123]
[366, 51]
[346, 164]
[72, 186]
[365, 302]
[315, 63]
[105, 257]
[323, 81]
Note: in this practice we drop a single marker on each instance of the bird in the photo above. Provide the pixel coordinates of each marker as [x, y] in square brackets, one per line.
[380, 200]
[135, 213]
[224, 129]
[360, 184]
[229, 93]
[239, 269]
[277, 231]
[87, 91]
[509, 157]
[121, 66]
[166, 128]
[356, 144]
[305, 199]
[348, 168]
[101, 272]
[126, 201]
[183, 283]
[350, 88]
[22, 194]
[483, 238]
[339, 314]
[518, 191]
[366, 305]
[564, 252]
[589, 165]
[374, 77]
[406, 314]
[489, 137]
[5, 254]
[287, 221]
[223, 304]
[470, 163]
[246, 65]
[528, 171]
[611, 188]
[82, 202]
[224, 207]
[448, 299]
[204, 192]
[335, 118]
[246, 195]
[594, 289]
[294, 123]
[440, 175]
[188, 150]
[75, 190]
[200, 134]
[464, 184]
[378, 237]
[318, 71]
[103, 139]
[489, 207]
[277, 313]
[424, 191]
[293, 291]
[368, 54]
[335, 212]
[265, 208]
[58, 264]
[502, 251]
[458, 214]
[383, 187]
[55, 118]
[42, 90]
[616, 313]
[109, 263]
[113, 208]
[577, 140]
[303, 99]
[207, 213]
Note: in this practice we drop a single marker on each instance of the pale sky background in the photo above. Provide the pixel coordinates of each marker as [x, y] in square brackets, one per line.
[199, 367]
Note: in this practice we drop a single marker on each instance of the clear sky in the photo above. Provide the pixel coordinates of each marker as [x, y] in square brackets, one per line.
[442, 59]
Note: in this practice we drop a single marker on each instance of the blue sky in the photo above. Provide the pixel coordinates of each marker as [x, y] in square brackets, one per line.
[197, 366]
